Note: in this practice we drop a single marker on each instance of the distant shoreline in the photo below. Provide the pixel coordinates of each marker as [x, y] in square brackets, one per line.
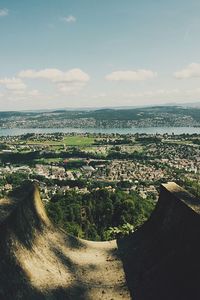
[133, 130]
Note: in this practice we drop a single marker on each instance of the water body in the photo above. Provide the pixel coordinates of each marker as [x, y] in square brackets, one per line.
[149, 130]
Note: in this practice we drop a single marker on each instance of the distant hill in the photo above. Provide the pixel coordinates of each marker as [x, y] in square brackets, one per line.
[151, 116]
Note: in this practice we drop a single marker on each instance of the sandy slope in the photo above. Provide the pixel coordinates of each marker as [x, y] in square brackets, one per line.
[161, 259]
[41, 262]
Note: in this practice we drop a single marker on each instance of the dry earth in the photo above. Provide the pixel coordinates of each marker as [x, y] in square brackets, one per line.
[160, 261]
[41, 262]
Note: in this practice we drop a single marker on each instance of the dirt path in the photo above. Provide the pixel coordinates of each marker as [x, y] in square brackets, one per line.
[88, 270]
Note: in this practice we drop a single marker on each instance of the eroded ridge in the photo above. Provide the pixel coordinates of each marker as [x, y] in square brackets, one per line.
[161, 259]
[39, 261]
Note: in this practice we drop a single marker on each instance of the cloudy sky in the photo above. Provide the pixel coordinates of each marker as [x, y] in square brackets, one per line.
[92, 53]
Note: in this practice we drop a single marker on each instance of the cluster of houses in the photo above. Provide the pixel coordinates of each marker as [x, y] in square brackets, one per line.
[163, 160]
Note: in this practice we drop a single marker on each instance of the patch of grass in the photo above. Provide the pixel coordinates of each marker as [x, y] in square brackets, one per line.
[178, 142]
[78, 141]
[47, 142]
[47, 160]
[68, 141]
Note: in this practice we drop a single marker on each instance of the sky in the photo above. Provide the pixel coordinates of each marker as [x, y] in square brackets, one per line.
[91, 53]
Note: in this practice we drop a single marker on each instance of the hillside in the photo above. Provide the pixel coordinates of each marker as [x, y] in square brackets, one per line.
[158, 261]
[41, 262]
[155, 116]
[161, 260]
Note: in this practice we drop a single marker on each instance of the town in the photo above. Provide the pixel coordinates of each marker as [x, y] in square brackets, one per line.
[155, 116]
[86, 162]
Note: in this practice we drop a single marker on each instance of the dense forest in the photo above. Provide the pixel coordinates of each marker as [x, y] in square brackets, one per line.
[97, 215]
[93, 215]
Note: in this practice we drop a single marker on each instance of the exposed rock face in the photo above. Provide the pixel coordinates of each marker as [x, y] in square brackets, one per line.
[160, 261]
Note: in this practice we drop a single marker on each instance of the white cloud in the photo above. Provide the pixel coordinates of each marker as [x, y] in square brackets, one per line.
[99, 96]
[70, 89]
[69, 19]
[192, 70]
[34, 93]
[68, 82]
[56, 75]
[16, 90]
[137, 75]
[51, 74]
[4, 12]
[13, 84]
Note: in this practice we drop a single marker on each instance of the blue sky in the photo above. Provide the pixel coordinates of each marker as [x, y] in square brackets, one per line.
[89, 53]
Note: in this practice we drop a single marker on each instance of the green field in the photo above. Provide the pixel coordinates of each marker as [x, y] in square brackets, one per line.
[178, 142]
[78, 141]
[68, 141]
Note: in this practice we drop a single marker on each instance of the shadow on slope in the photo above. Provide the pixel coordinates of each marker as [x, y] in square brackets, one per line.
[162, 259]
[39, 261]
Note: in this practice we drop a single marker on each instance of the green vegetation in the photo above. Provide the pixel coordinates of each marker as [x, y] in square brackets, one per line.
[91, 215]
[120, 231]
[16, 179]
[105, 118]
[192, 186]
[78, 140]
[80, 172]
